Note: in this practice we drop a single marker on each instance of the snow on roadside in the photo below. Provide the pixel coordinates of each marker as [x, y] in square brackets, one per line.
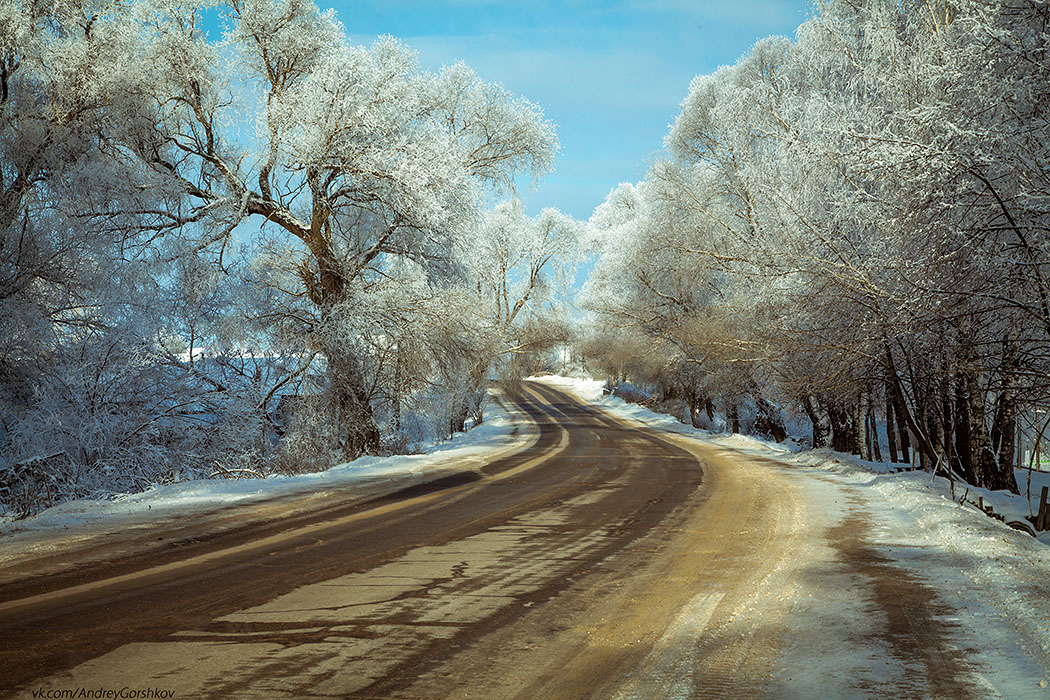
[996, 577]
[593, 391]
[879, 475]
[196, 496]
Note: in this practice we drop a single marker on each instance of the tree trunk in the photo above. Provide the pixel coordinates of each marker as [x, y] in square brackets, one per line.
[873, 433]
[469, 403]
[769, 422]
[358, 429]
[860, 413]
[982, 457]
[732, 416]
[1004, 431]
[395, 399]
[694, 413]
[821, 427]
[1005, 478]
[350, 401]
[933, 432]
[963, 451]
[903, 432]
[891, 428]
[947, 418]
[926, 449]
[843, 436]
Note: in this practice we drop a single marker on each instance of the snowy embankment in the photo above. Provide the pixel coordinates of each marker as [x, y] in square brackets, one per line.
[908, 489]
[996, 578]
[500, 433]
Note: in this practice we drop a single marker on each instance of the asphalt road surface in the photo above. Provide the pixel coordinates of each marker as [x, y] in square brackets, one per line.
[603, 560]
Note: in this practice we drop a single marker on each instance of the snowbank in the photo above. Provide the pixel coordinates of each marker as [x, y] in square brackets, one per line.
[907, 488]
[996, 578]
[593, 391]
[500, 432]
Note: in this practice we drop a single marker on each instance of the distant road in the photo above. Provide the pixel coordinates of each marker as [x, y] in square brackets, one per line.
[605, 561]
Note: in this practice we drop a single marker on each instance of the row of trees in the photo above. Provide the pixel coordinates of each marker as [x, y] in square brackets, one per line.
[853, 225]
[223, 256]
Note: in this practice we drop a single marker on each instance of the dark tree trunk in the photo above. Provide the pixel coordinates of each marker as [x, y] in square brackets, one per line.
[769, 422]
[873, 433]
[821, 427]
[926, 421]
[350, 401]
[860, 413]
[933, 432]
[903, 430]
[352, 405]
[732, 416]
[469, 404]
[1004, 433]
[891, 428]
[925, 448]
[917, 425]
[981, 454]
[947, 417]
[694, 414]
[1005, 478]
[395, 399]
[843, 436]
[963, 451]
[996, 435]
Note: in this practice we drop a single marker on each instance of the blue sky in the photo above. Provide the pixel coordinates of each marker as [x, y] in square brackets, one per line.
[611, 75]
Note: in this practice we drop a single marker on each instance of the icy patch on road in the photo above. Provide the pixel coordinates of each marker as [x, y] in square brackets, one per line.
[665, 666]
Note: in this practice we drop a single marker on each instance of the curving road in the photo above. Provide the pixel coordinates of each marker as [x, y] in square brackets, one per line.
[602, 561]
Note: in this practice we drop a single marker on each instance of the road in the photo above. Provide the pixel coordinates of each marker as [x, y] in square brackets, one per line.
[604, 561]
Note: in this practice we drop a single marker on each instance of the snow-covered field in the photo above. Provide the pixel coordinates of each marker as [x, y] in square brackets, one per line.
[994, 579]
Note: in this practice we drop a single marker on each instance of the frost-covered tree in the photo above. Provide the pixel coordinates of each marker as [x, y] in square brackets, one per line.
[523, 267]
[361, 157]
[862, 214]
[128, 179]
